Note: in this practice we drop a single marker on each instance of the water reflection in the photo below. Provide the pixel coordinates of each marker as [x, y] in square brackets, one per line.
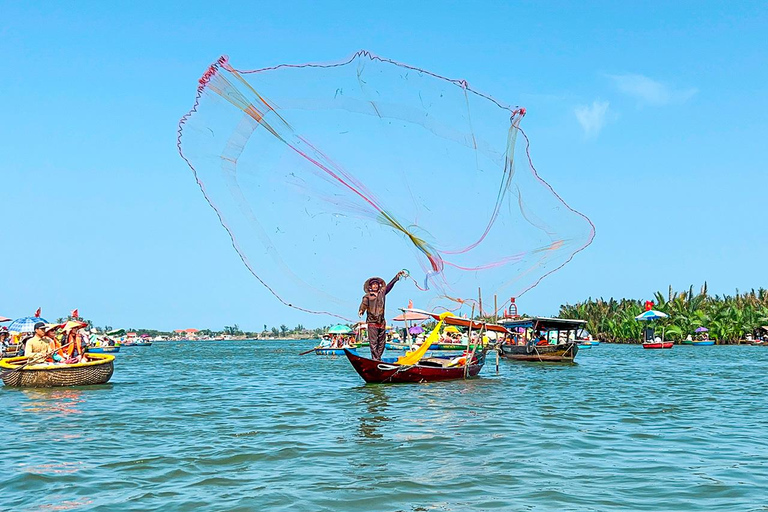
[60, 401]
[376, 402]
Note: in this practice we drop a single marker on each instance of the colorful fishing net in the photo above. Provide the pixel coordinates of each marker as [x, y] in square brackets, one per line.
[325, 174]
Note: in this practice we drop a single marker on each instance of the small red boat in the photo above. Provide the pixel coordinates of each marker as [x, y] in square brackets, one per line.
[660, 344]
[432, 369]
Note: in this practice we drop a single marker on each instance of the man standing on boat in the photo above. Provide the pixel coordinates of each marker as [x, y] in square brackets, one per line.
[374, 304]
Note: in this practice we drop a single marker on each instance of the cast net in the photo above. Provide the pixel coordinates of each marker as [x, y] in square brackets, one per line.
[326, 174]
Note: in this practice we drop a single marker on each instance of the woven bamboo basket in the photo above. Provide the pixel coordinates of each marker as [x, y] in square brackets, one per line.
[97, 370]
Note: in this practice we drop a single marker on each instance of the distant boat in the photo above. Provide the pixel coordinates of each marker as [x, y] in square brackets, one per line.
[103, 350]
[585, 345]
[658, 344]
[332, 351]
[702, 343]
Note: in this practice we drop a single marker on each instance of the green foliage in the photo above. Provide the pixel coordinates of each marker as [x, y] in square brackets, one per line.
[728, 318]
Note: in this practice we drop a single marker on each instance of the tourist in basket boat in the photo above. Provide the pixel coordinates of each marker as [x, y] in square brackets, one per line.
[374, 303]
[5, 338]
[74, 342]
[36, 348]
[54, 344]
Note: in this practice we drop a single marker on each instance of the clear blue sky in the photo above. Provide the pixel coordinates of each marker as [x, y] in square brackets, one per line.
[648, 117]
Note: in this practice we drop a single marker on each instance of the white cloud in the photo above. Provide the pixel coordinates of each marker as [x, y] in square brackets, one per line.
[650, 92]
[593, 117]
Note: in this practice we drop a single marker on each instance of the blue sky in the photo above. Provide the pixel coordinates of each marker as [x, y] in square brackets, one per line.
[650, 118]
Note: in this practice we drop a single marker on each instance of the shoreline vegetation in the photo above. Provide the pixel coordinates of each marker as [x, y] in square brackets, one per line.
[730, 319]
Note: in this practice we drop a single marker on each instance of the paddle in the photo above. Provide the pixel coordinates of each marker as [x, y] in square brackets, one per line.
[308, 351]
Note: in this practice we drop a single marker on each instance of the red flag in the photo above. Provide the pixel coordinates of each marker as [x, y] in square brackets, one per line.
[410, 304]
[37, 313]
[74, 313]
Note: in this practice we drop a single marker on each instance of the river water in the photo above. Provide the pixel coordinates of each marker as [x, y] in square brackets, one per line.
[246, 426]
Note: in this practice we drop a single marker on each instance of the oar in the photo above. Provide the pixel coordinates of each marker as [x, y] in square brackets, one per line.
[308, 351]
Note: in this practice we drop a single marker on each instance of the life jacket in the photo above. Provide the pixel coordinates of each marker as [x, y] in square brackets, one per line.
[54, 347]
[73, 340]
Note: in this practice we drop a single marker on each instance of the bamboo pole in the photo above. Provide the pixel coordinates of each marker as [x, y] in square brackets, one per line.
[469, 340]
[480, 300]
[495, 309]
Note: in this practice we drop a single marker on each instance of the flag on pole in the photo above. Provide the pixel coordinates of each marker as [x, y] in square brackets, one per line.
[74, 313]
[37, 313]
[410, 304]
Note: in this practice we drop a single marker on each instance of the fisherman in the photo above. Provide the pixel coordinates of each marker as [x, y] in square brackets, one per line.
[36, 349]
[374, 304]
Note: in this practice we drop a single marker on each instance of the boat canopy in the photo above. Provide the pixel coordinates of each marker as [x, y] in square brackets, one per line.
[476, 325]
[544, 323]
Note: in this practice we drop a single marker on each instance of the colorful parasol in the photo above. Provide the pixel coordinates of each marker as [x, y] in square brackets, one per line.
[339, 329]
[26, 324]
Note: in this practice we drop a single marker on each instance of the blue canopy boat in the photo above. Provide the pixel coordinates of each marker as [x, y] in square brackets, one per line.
[103, 350]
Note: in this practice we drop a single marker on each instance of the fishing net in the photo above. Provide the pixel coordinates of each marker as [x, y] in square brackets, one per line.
[325, 174]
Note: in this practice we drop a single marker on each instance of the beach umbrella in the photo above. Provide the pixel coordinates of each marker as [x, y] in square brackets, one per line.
[411, 316]
[339, 329]
[26, 324]
[416, 329]
[451, 328]
[651, 314]
[702, 329]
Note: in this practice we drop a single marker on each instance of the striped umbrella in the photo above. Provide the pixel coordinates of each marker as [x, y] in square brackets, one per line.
[651, 314]
[26, 324]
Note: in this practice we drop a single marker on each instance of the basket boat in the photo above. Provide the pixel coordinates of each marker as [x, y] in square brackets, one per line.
[97, 370]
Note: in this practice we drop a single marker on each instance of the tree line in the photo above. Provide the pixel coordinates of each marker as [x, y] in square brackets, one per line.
[728, 318]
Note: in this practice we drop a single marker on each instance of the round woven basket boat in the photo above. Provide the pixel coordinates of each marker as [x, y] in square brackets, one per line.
[97, 370]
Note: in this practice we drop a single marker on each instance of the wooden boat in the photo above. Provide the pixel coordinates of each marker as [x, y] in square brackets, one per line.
[703, 343]
[585, 345]
[103, 350]
[549, 328]
[431, 369]
[658, 344]
[10, 351]
[560, 353]
[97, 370]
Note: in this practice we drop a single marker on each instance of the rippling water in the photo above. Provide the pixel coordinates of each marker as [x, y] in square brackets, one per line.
[252, 426]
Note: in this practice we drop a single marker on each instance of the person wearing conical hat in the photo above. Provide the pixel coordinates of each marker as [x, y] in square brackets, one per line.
[374, 303]
[74, 341]
[54, 344]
